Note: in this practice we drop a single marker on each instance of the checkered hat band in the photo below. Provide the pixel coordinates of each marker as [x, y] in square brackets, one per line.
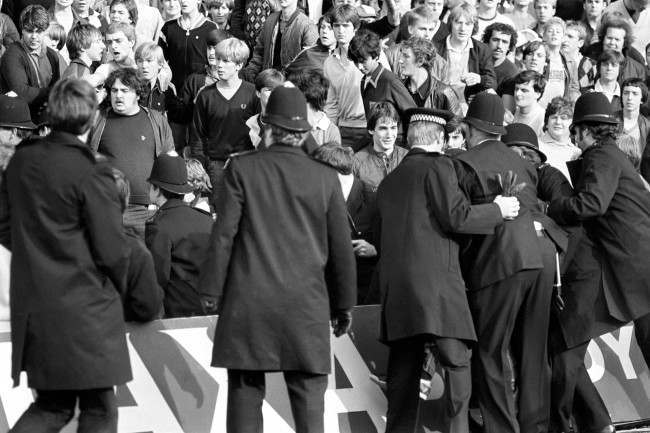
[428, 118]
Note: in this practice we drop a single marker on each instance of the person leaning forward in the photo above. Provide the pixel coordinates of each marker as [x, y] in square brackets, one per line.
[424, 298]
[509, 275]
[282, 222]
[60, 216]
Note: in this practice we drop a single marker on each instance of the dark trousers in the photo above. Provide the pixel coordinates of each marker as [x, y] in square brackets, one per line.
[405, 361]
[52, 410]
[246, 390]
[515, 310]
[574, 394]
[356, 138]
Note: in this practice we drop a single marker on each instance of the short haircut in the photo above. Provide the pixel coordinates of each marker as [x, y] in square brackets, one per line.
[130, 6]
[127, 29]
[346, 14]
[423, 49]
[123, 188]
[463, 10]
[81, 37]
[613, 21]
[325, 18]
[630, 147]
[230, 4]
[538, 80]
[269, 78]
[382, 110]
[128, 77]
[365, 44]
[150, 51]
[610, 57]
[197, 176]
[560, 106]
[215, 36]
[338, 157]
[56, 32]
[454, 124]
[552, 2]
[578, 27]
[636, 82]
[71, 106]
[233, 50]
[501, 28]
[424, 133]
[280, 135]
[34, 17]
[532, 46]
[422, 13]
[313, 84]
[554, 21]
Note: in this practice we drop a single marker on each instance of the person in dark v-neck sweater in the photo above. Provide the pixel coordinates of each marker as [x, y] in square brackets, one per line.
[218, 126]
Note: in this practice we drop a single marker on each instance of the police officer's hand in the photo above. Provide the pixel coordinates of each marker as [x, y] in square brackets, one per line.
[341, 322]
[509, 206]
[363, 248]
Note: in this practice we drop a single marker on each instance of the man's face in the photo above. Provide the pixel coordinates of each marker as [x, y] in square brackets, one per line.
[536, 60]
[525, 95]
[488, 4]
[594, 8]
[120, 14]
[499, 43]
[33, 38]
[614, 39]
[384, 135]
[367, 65]
[124, 100]
[553, 36]
[288, 4]
[423, 29]
[344, 32]
[557, 126]
[219, 14]
[227, 69]
[63, 3]
[96, 49]
[456, 140]
[326, 34]
[49, 42]
[609, 71]
[81, 6]
[462, 28]
[436, 6]
[148, 69]
[572, 42]
[172, 7]
[119, 46]
[189, 6]
[631, 97]
[407, 62]
[212, 55]
[544, 11]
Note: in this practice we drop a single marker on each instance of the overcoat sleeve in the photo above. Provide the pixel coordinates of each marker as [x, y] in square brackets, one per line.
[599, 180]
[160, 245]
[215, 267]
[144, 298]
[103, 220]
[342, 286]
[452, 209]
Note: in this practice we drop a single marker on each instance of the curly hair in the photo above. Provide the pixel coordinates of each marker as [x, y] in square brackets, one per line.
[501, 28]
[423, 50]
[604, 133]
[616, 23]
[365, 44]
[128, 77]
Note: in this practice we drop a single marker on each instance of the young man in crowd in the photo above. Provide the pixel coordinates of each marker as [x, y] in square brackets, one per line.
[60, 217]
[574, 40]
[544, 11]
[314, 57]
[266, 81]
[177, 236]
[529, 87]
[502, 40]
[634, 93]
[220, 113]
[284, 35]
[381, 156]
[469, 61]
[556, 142]
[637, 15]
[131, 137]
[184, 42]
[593, 14]
[344, 104]
[120, 40]
[29, 68]
[85, 46]
[556, 74]
[487, 14]
[378, 83]
[219, 12]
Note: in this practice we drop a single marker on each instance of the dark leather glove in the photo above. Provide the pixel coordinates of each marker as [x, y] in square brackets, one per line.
[341, 322]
